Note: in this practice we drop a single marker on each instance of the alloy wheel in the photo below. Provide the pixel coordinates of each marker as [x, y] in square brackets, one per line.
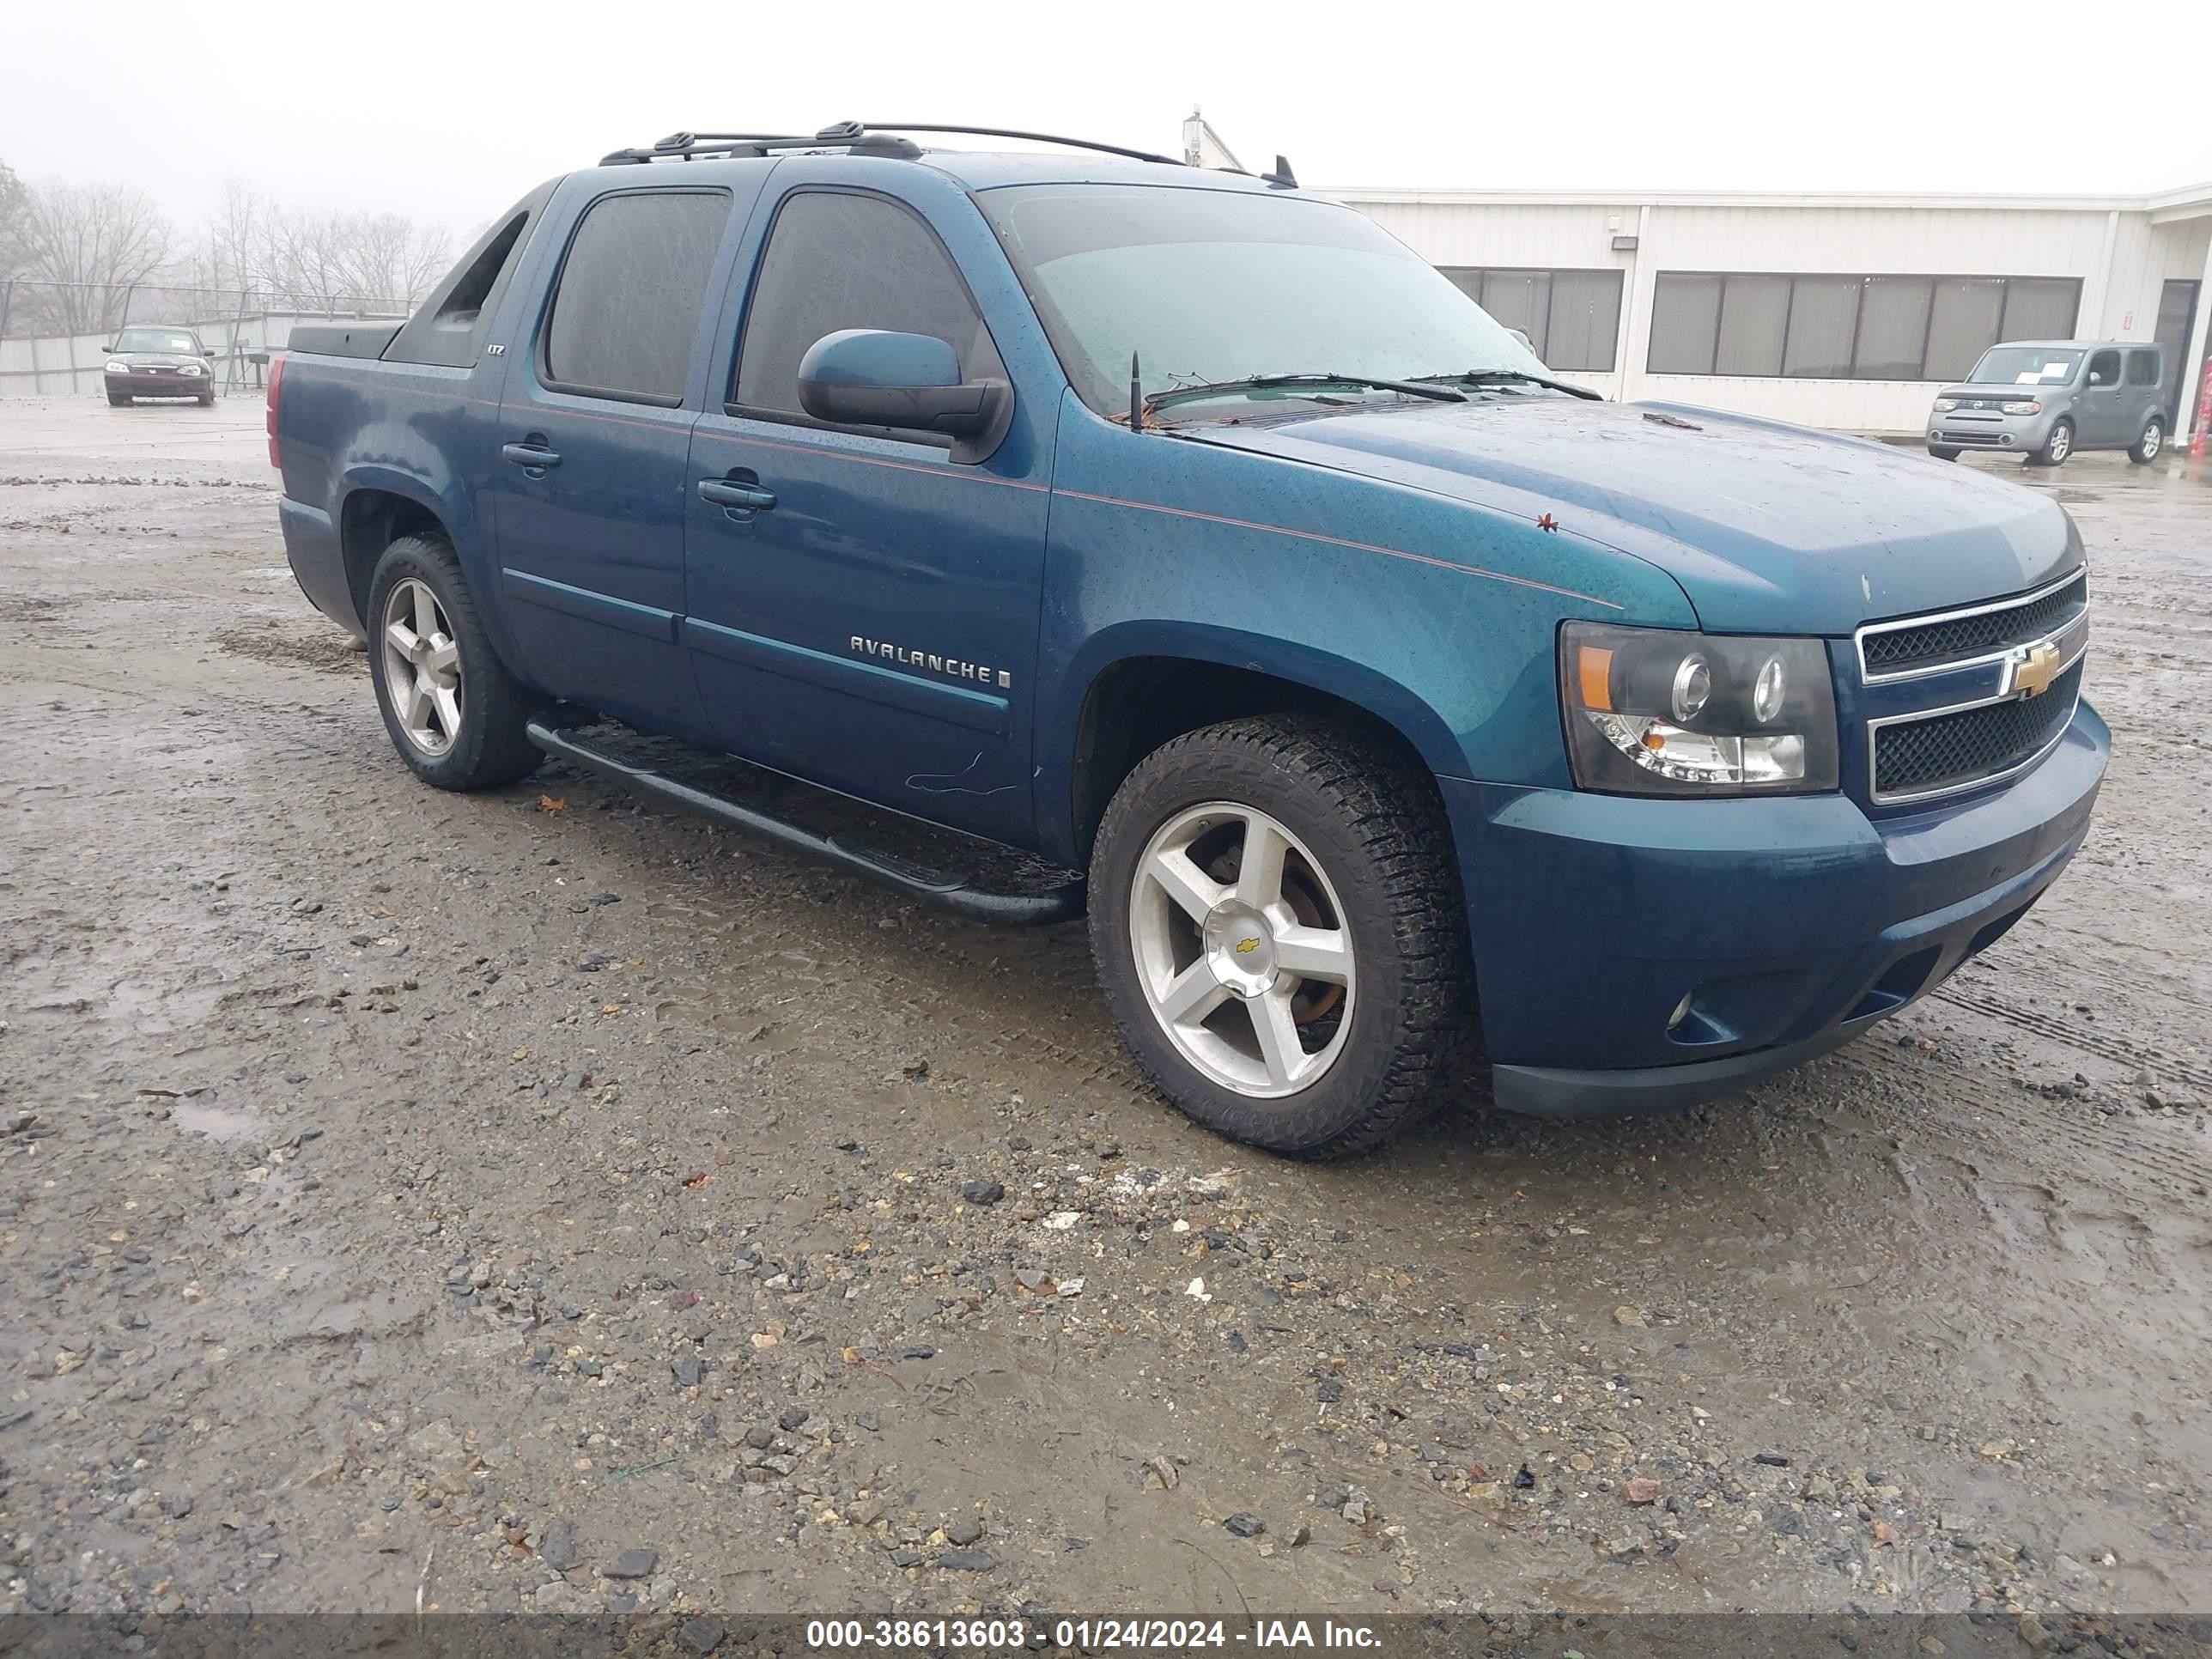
[1243, 950]
[421, 666]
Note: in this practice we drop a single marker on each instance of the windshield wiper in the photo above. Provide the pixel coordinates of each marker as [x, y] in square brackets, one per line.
[1515, 377]
[1422, 388]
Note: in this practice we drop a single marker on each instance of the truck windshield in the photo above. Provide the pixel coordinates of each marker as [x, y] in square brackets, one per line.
[1207, 286]
[2011, 365]
[171, 340]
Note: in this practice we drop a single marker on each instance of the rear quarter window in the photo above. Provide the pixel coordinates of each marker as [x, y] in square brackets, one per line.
[626, 308]
[2143, 368]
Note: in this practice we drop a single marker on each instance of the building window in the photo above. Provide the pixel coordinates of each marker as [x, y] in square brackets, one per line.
[1571, 318]
[1848, 328]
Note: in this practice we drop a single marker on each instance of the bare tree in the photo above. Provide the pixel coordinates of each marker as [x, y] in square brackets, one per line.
[225, 254]
[14, 221]
[347, 262]
[93, 243]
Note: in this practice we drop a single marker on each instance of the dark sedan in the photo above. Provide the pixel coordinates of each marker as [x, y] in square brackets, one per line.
[159, 362]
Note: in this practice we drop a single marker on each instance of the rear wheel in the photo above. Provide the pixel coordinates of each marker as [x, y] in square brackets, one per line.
[1275, 913]
[2147, 446]
[2056, 447]
[453, 712]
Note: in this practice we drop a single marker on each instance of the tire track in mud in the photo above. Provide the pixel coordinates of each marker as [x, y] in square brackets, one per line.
[2117, 1049]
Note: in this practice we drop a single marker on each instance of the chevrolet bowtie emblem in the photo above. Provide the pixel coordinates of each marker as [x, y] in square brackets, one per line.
[2034, 672]
[1246, 946]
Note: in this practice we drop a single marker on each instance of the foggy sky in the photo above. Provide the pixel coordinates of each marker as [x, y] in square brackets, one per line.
[451, 111]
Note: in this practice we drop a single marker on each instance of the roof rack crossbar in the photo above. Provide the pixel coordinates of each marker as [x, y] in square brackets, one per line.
[1013, 132]
[863, 137]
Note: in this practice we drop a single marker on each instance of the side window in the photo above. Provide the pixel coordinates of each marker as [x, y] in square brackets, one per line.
[2104, 368]
[837, 260]
[2143, 368]
[627, 306]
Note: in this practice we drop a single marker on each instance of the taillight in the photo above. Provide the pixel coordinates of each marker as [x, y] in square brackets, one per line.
[275, 387]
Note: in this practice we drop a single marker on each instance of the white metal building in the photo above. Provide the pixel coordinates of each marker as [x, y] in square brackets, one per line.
[1838, 310]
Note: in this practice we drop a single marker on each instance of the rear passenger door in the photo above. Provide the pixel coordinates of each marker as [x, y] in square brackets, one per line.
[2101, 411]
[871, 623]
[594, 431]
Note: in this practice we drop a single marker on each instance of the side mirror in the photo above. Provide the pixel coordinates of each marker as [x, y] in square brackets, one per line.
[108, 351]
[911, 382]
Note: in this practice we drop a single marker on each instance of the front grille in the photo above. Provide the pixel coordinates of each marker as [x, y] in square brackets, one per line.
[1888, 648]
[1948, 751]
[1956, 436]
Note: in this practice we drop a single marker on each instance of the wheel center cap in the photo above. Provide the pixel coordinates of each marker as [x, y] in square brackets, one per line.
[1240, 948]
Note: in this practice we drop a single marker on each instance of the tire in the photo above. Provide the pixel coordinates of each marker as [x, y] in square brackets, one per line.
[1364, 836]
[2146, 447]
[115, 402]
[1943, 454]
[2056, 447]
[473, 733]
[208, 401]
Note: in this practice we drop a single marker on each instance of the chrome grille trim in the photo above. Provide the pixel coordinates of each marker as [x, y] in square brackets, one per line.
[2075, 645]
[1870, 676]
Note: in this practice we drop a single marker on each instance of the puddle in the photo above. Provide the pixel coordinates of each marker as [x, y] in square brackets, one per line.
[220, 1122]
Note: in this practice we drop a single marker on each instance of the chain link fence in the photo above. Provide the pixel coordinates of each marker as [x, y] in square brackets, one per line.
[54, 337]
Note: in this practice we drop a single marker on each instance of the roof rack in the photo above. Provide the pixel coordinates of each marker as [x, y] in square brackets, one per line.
[855, 138]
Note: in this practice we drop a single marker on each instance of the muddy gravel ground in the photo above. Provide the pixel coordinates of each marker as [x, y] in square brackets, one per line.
[542, 1201]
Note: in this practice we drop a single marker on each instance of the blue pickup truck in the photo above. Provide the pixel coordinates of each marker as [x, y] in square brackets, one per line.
[1175, 546]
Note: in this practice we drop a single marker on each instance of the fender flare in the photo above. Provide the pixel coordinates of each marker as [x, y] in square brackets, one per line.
[454, 508]
[1365, 687]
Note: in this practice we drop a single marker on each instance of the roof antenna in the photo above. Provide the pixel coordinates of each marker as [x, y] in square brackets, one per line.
[1136, 395]
[1282, 178]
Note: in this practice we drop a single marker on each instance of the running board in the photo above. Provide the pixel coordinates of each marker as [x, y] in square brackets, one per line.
[1056, 896]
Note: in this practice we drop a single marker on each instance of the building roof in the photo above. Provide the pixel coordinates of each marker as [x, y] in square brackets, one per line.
[2190, 202]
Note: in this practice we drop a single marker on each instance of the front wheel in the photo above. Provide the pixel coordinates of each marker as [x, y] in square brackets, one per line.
[1275, 912]
[2056, 447]
[2146, 447]
[455, 713]
[1943, 454]
[119, 400]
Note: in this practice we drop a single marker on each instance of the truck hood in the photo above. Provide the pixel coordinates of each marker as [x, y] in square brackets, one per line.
[1767, 528]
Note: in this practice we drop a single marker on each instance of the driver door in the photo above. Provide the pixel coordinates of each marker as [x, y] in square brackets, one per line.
[862, 608]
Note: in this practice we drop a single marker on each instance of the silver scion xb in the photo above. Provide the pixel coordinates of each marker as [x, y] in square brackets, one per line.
[2044, 400]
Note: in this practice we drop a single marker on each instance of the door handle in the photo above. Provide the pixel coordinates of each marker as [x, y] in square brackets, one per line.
[531, 455]
[723, 492]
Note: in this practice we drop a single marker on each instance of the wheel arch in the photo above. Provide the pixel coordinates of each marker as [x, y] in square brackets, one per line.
[371, 515]
[1138, 686]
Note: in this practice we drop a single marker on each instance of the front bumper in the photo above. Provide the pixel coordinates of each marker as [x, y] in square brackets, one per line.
[1790, 924]
[160, 385]
[2016, 434]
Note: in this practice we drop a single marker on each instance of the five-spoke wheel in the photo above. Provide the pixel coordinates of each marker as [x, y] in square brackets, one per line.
[1275, 913]
[422, 666]
[1241, 949]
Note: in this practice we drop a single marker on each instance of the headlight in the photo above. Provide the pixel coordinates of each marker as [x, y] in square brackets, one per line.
[190, 368]
[2024, 406]
[117, 366]
[1945, 405]
[1651, 711]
